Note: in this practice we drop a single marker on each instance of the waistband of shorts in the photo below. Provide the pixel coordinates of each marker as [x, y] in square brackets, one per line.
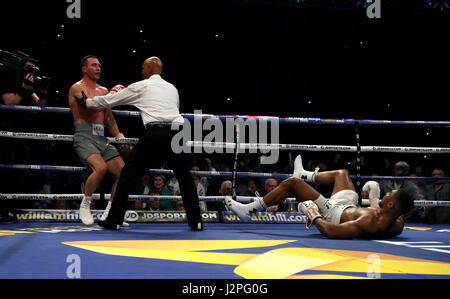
[86, 129]
[86, 126]
[335, 213]
[160, 124]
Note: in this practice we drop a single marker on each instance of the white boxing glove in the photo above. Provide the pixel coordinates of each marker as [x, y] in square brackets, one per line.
[311, 210]
[117, 89]
[372, 188]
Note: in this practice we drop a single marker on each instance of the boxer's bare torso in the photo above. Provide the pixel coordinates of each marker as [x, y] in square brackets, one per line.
[370, 222]
[91, 115]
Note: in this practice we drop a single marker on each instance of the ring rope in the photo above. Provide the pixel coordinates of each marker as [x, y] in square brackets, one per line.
[58, 137]
[243, 199]
[285, 120]
[74, 169]
[246, 146]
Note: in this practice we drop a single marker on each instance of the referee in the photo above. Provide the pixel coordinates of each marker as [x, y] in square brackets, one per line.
[158, 102]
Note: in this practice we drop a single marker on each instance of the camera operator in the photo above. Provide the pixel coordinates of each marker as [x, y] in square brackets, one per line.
[23, 93]
[19, 85]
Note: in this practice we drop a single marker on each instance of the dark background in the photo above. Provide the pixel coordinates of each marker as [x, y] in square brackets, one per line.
[269, 58]
[275, 58]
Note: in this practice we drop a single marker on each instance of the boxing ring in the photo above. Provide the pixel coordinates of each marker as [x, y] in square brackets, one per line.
[55, 244]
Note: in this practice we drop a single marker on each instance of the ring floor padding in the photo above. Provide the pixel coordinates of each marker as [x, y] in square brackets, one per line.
[221, 251]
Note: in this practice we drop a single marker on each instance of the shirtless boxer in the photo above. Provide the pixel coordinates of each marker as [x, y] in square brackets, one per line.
[338, 217]
[90, 142]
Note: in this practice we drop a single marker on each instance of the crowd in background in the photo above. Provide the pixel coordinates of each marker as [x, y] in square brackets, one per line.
[156, 185]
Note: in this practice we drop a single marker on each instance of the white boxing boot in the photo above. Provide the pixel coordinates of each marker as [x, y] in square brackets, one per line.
[301, 173]
[85, 211]
[245, 211]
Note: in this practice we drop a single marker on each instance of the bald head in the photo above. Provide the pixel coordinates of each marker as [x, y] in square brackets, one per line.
[151, 66]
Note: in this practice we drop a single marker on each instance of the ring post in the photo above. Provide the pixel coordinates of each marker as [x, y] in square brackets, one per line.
[358, 161]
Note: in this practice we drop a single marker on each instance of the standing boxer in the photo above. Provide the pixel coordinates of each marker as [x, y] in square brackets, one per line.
[158, 101]
[90, 142]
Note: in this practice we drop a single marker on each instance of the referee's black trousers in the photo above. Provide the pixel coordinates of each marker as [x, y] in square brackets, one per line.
[149, 153]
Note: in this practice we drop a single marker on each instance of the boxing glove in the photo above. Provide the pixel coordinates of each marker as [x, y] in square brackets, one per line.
[311, 210]
[372, 188]
[116, 89]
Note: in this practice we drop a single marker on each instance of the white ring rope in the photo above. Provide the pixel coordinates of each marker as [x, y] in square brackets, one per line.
[286, 120]
[56, 137]
[243, 199]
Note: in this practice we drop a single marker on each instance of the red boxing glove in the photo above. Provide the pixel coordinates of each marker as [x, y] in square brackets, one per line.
[311, 210]
[116, 89]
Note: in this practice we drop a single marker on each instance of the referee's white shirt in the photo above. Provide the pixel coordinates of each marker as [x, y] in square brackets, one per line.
[157, 99]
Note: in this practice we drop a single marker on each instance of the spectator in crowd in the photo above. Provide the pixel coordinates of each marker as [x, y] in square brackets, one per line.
[249, 189]
[437, 191]
[401, 169]
[43, 204]
[226, 168]
[270, 185]
[419, 173]
[155, 205]
[215, 184]
[180, 206]
[174, 186]
[226, 189]
[419, 184]
[201, 191]
[205, 180]
[143, 187]
[137, 205]
[159, 186]
[201, 188]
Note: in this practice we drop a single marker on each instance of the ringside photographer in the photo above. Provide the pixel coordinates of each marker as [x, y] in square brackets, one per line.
[20, 82]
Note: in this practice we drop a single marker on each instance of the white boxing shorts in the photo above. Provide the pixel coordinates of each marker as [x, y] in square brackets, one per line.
[332, 208]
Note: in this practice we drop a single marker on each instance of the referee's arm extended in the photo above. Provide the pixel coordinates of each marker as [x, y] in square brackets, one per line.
[128, 96]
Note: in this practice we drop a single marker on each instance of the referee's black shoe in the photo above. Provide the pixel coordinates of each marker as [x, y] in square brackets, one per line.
[198, 226]
[6, 217]
[108, 225]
